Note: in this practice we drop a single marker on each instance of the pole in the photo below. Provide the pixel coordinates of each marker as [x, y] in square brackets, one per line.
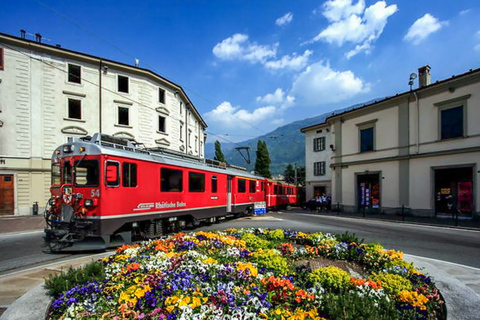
[296, 175]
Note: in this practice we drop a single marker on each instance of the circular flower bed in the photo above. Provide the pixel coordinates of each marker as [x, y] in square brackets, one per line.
[253, 274]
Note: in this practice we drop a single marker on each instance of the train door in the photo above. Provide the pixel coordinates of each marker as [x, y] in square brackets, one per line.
[6, 194]
[229, 193]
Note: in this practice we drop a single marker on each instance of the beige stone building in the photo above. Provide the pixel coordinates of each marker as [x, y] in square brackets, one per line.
[318, 156]
[48, 93]
[420, 149]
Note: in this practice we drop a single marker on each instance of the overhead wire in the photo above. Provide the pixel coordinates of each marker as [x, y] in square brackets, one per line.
[146, 64]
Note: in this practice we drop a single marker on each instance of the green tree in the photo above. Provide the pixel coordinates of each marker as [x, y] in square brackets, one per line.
[262, 162]
[219, 156]
[301, 176]
[289, 174]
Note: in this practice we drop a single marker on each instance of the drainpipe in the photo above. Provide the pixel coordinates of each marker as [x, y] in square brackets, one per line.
[100, 97]
[418, 121]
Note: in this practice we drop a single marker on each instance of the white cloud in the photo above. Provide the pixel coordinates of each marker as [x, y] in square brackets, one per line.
[227, 116]
[319, 84]
[278, 98]
[336, 10]
[237, 47]
[286, 19]
[422, 28]
[355, 24]
[294, 61]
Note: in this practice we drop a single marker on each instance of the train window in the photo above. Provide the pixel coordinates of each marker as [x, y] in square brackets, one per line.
[214, 184]
[196, 182]
[129, 172]
[242, 186]
[56, 174]
[86, 173]
[171, 180]
[251, 186]
[67, 173]
[112, 176]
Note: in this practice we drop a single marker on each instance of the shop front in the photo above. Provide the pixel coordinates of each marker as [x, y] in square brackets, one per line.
[454, 190]
[368, 192]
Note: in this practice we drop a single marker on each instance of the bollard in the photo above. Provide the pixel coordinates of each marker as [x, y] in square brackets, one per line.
[35, 208]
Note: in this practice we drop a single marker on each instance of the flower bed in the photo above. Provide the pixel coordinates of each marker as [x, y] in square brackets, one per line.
[253, 274]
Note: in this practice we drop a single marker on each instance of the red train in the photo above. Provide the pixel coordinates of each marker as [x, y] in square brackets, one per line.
[105, 191]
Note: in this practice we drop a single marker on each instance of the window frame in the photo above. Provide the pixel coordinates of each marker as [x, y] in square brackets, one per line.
[96, 172]
[371, 124]
[162, 170]
[461, 101]
[68, 108]
[195, 175]
[118, 115]
[319, 144]
[164, 130]
[241, 185]
[214, 182]
[161, 95]
[129, 178]
[70, 76]
[319, 168]
[252, 186]
[119, 77]
[117, 164]
[2, 59]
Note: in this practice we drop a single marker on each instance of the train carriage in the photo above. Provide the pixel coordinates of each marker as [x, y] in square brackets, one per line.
[105, 190]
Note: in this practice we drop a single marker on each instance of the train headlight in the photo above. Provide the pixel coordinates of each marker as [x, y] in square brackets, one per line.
[51, 202]
[67, 148]
[90, 202]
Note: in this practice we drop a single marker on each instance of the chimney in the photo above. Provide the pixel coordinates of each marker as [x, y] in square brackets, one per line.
[22, 33]
[38, 37]
[424, 76]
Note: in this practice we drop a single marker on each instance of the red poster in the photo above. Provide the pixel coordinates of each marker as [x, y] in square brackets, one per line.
[465, 197]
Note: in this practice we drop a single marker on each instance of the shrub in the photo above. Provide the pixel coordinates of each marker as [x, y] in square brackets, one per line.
[352, 306]
[392, 283]
[330, 277]
[271, 260]
[276, 235]
[256, 242]
[58, 283]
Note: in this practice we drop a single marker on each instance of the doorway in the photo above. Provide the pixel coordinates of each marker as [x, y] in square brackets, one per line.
[319, 190]
[454, 190]
[368, 192]
[6, 194]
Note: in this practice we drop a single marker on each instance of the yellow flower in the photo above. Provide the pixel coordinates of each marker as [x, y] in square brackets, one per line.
[210, 260]
[393, 254]
[247, 266]
[413, 298]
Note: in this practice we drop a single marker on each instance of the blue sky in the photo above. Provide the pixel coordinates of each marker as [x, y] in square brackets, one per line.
[251, 66]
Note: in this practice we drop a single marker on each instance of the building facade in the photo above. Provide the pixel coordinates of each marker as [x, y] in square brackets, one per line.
[318, 156]
[419, 149]
[48, 93]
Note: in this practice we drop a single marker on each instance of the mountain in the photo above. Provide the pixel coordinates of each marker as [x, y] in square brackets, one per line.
[286, 144]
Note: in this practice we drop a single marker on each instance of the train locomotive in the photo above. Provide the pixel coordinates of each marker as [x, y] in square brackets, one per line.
[107, 191]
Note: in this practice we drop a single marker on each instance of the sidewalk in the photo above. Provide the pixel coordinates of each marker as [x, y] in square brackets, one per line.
[441, 220]
[21, 223]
